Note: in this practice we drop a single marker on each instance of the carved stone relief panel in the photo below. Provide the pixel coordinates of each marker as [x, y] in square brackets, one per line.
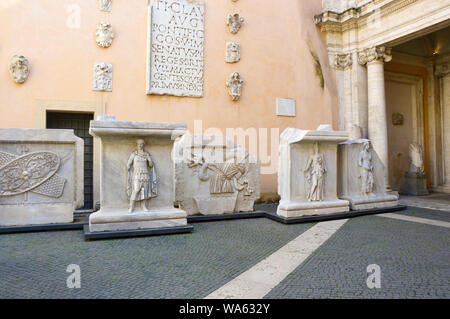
[41, 176]
[104, 35]
[105, 5]
[235, 22]
[213, 175]
[234, 84]
[233, 52]
[19, 68]
[103, 76]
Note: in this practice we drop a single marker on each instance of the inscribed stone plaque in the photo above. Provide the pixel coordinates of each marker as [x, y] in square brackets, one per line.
[285, 107]
[175, 48]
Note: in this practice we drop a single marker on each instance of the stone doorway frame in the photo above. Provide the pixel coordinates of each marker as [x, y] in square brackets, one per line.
[97, 108]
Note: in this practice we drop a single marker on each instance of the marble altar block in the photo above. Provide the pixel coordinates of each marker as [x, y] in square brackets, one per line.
[307, 174]
[41, 176]
[137, 176]
[215, 176]
[361, 180]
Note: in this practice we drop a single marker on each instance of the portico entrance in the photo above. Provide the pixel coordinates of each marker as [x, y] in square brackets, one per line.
[392, 61]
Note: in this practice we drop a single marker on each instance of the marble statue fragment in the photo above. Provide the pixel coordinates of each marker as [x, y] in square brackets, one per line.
[142, 181]
[315, 175]
[366, 169]
[416, 157]
[361, 179]
[415, 181]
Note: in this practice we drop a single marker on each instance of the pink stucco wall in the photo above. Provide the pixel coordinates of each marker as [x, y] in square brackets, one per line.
[276, 41]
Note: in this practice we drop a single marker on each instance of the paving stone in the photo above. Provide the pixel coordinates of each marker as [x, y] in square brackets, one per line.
[414, 261]
[33, 265]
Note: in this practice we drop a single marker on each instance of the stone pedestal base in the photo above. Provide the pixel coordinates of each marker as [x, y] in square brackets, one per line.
[36, 214]
[123, 220]
[372, 202]
[298, 209]
[415, 184]
[216, 205]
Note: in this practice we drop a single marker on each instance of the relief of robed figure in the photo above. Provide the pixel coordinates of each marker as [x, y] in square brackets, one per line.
[142, 179]
[315, 175]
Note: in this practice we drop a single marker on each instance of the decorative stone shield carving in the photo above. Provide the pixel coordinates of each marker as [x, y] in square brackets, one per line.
[233, 52]
[235, 22]
[105, 5]
[234, 83]
[19, 67]
[34, 172]
[102, 76]
[104, 35]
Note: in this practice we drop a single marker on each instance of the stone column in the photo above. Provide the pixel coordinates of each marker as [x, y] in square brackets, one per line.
[342, 64]
[359, 96]
[375, 58]
[443, 72]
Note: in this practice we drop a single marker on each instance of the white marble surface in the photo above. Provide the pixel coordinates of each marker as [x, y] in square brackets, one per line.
[350, 181]
[167, 71]
[201, 162]
[50, 198]
[297, 147]
[285, 107]
[118, 142]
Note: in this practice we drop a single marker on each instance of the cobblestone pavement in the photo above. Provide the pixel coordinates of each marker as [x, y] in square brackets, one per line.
[33, 265]
[414, 260]
[437, 201]
[426, 213]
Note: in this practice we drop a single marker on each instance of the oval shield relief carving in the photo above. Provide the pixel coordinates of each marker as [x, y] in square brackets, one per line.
[27, 172]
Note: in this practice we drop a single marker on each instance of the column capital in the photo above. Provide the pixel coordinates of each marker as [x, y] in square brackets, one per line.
[442, 70]
[380, 53]
[343, 61]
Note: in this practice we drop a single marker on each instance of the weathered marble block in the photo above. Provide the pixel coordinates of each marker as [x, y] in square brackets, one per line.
[41, 176]
[361, 179]
[137, 176]
[307, 173]
[214, 176]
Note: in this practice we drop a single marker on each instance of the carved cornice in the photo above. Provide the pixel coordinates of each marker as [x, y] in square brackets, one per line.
[343, 61]
[331, 21]
[442, 70]
[380, 53]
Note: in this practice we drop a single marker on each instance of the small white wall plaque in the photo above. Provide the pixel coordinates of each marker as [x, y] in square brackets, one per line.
[285, 107]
